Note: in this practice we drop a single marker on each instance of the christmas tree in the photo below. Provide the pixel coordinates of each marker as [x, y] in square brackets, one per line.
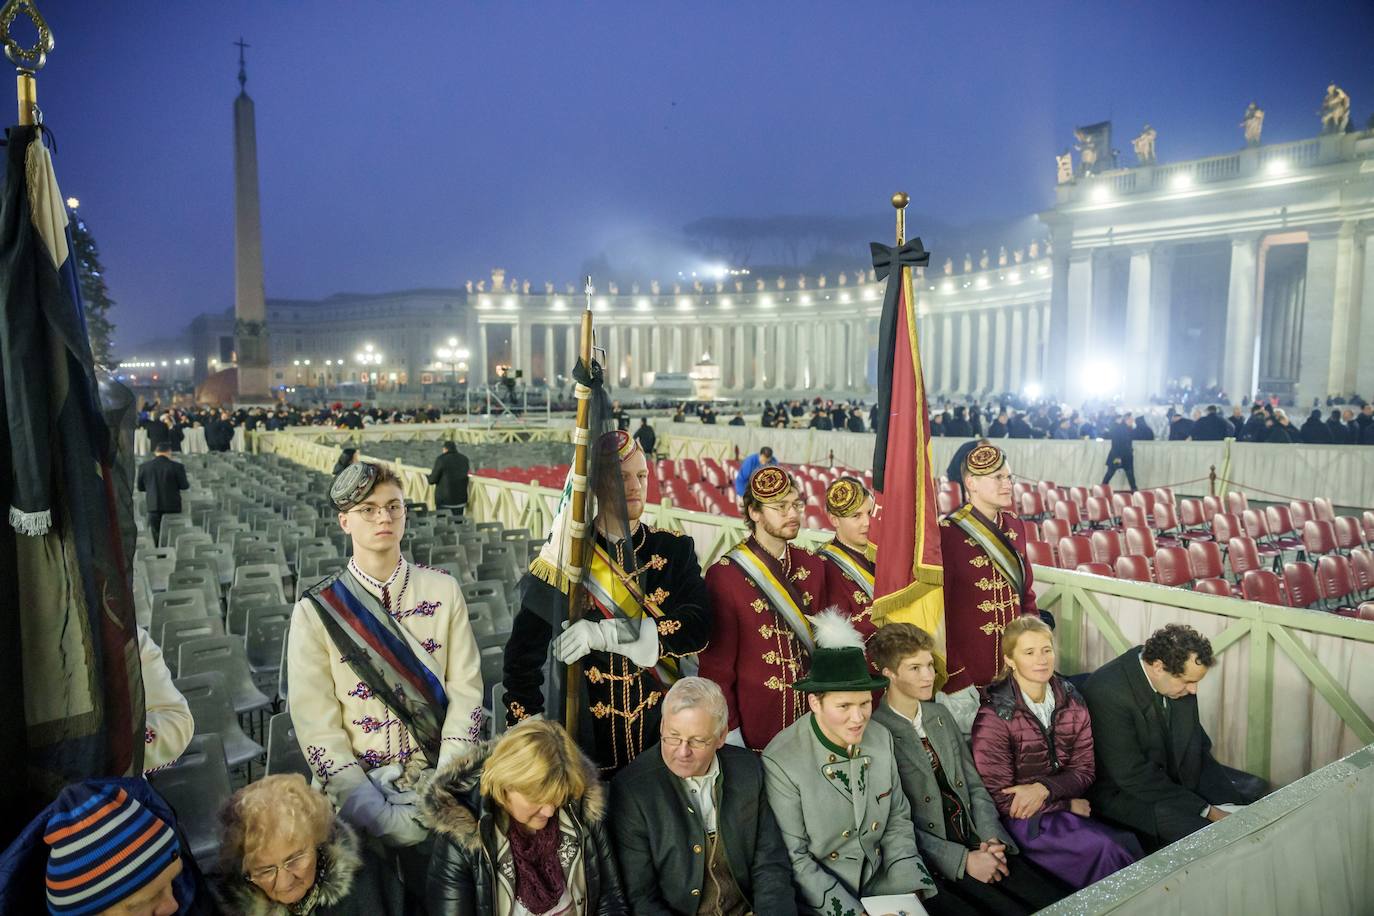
[95, 296]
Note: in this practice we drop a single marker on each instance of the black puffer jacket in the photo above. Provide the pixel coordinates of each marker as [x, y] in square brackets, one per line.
[462, 879]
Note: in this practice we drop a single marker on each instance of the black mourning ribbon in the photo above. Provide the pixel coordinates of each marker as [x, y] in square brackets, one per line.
[888, 261]
[591, 378]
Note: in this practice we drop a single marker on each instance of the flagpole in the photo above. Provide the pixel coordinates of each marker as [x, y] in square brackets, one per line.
[577, 551]
[27, 61]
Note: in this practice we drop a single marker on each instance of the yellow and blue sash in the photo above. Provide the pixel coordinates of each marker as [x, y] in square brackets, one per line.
[994, 543]
[778, 592]
[615, 594]
[850, 567]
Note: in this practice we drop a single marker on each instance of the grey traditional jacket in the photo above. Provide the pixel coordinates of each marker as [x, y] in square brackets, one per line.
[844, 818]
[922, 791]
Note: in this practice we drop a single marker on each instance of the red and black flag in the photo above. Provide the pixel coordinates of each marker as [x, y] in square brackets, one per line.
[71, 692]
[907, 583]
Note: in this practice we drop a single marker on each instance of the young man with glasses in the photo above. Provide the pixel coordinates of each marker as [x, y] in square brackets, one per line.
[762, 593]
[384, 675]
[692, 826]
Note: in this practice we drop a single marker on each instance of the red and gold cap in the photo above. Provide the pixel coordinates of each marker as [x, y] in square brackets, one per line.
[620, 443]
[845, 497]
[985, 460]
[769, 483]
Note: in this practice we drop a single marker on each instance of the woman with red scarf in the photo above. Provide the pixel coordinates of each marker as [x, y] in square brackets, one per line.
[520, 831]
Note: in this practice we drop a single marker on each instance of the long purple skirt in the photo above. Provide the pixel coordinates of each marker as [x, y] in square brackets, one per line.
[1076, 850]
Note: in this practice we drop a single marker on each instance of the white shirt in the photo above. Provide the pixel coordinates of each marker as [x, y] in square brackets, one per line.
[701, 790]
[916, 723]
[1043, 710]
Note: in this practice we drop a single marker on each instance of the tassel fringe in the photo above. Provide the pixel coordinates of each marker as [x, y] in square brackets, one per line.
[33, 524]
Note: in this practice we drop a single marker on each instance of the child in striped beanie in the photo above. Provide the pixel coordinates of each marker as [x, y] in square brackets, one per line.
[106, 849]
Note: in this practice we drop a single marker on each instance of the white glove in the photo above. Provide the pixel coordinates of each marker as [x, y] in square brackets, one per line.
[736, 737]
[573, 644]
[380, 810]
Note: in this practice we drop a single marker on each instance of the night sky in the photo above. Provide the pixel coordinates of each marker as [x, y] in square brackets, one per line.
[420, 144]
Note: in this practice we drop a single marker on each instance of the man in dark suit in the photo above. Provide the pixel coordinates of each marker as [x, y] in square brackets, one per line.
[1122, 457]
[163, 480]
[1155, 769]
[450, 479]
[691, 820]
[1212, 427]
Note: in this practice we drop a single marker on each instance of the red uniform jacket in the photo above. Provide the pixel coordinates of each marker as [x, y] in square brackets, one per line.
[846, 594]
[979, 602]
[753, 654]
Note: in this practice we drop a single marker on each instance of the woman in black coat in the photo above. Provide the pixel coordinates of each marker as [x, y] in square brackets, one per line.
[519, 828]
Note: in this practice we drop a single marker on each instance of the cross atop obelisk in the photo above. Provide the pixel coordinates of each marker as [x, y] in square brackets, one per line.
[250, 302]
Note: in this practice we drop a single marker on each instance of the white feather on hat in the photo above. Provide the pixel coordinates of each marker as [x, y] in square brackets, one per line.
[834, 631]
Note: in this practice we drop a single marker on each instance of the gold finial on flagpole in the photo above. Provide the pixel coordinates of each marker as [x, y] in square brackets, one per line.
[27, 61]
[900, 200]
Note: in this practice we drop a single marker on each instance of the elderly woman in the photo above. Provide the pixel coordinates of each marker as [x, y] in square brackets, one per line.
[283, 852]
[520, 832]
[1033, 745]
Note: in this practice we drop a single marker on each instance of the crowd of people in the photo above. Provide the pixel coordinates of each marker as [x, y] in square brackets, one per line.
[816, 762]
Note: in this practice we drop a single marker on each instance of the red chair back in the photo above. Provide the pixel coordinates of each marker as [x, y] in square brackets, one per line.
[1018, 487]
[1099, 511]
[1068, 511]
[1165, 519]
[1074, 551]
[1171, 567]
[1190, 513]
[1079, 497]
[1218, 587]
[1303, 511]
[1263, 586]
[1280, 521]
[1243, 554]
[1140, 542]
[1255, 524]
[1053, 529]
[1211, 505]
[1032, 506]
[1367, 522]
[1318, 537]
[1145, 499]
[1348, 534]
[1096, 569]
[946, 502]
[1165, 495]
[1033, 531]
[1101, 491]
[1133, 568]
[1226, 526]
[1204, 559]
[1301, 582]
[1133, 517]
[1362, 567]
[1366, 611]
[1039, 553]
[1325, 512]
[1120, 501]
[1236, 503]
[1106, 546]
[1334, 581]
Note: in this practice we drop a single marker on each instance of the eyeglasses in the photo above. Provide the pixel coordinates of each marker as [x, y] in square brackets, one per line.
[373, 513]
[792, 508]
[268, 874]
[696, 744]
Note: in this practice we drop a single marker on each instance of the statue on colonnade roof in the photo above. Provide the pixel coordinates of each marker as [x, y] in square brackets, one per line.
[1253, 123]
[1335, 110]
[1145, 145]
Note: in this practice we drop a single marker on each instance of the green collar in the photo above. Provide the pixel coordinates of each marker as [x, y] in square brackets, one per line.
[847, 753]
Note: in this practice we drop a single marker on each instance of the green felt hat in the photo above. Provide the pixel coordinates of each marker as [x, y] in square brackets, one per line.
[838, 670]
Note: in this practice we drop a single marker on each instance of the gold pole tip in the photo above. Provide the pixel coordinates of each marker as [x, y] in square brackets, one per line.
[900, 200]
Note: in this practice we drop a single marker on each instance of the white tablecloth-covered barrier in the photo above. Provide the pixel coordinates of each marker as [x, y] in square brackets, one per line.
[192, 441]
[1343, 474]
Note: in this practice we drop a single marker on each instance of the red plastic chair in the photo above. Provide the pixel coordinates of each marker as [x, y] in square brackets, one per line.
[1362, 567]
[1194, 522]
[1258, 529]
[1033, 532]
[1318, 538]
[1280, 522]
[1165, 495]
[1301, 582]
[1165, 520]
[1133, 568]
[1140, 542]
[1045, 486]
[1325, 512]
[946, 502]
[1120, 501]
[1067, 511]
[1074, 552]
[1243, 556]
[1133, 517]
[1101, 491]
[1106, 546]
[1348, 533]
[1079, 497]
[1303, 511]
[1226, 526]
[1039, 553]
[1172, 568]
[1367, 523]
[1099, 512]
[1204, 559]
[1335, 584]
[1366, 611]
[1096, 569]
[1211, 505]
[1236, 503]
[1144, 499]
[1218, 587]
[1263, 586]
[1032, 506]
[1053, 529]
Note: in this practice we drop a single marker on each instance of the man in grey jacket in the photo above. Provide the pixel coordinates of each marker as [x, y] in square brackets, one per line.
[834, 788]
[958, 830]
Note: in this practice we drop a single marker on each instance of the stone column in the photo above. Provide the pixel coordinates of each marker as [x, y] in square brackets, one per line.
[481, 375]
[1346, 312]
[655, 360]
[1056, 369]
[549, 370]
[737, 358]
[1000, 352]
[526, 362]
[782, 358]
[947, 355]
[637, 356]
[1330, 255]
[1364, 367]
[1016, 351]
[697, 349]
[965, 353]
[1080, 316]
[1242, 325]
[984, 351]
[1035, 369]
[1135, 365]
[1161, 303]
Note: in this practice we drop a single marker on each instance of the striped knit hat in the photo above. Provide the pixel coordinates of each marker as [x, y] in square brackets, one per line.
[105, 848]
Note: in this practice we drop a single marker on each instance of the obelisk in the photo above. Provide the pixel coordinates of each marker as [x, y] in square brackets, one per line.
[250, 301]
